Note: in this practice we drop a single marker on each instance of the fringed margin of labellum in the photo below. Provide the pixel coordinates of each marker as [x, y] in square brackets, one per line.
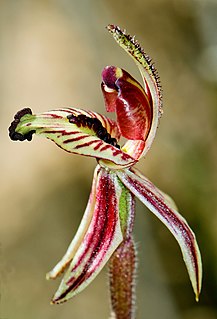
[122, 272]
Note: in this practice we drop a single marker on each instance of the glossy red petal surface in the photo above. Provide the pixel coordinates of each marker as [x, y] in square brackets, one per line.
[125, 95]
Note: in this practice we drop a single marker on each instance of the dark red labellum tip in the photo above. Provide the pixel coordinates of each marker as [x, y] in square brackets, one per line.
[15, 136]
[109, 77]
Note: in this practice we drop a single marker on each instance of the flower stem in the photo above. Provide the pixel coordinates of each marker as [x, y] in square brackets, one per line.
[122, 268]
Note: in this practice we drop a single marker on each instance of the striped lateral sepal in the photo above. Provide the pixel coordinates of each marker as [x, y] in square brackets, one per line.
[98, 236]
[164, 208]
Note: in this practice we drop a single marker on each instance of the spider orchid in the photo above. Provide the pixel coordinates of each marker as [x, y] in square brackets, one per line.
[105, 231]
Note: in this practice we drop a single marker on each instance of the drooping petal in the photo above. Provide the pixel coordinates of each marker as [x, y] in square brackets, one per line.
[165, 210]
[152, 86]
[79, 236]
[100, 239]
[75, 131]
[124, 95]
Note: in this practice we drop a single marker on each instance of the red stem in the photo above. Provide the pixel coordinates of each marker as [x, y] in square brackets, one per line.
[122, 269]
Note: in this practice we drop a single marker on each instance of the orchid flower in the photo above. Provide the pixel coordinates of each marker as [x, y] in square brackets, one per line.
[105, 231]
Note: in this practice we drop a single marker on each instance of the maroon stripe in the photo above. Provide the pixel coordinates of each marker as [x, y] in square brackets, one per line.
[105, 147]
[86, 144]
[62, 132]
[98, 146]
[70, 140]
[116, 152]
[55, 116]
[91, 114]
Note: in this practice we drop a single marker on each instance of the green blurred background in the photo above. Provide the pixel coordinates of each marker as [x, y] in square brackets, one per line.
[52, 54]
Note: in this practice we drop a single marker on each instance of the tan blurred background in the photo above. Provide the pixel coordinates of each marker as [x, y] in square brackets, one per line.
[51, 55]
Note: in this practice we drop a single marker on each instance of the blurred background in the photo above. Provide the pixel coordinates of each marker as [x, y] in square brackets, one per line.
[52, 54]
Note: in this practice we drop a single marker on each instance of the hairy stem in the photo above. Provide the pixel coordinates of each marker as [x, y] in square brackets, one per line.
[122, 269]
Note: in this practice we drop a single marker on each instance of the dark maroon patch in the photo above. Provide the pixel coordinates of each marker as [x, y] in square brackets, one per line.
[15, 136]
[109, 77]
[95, 125]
